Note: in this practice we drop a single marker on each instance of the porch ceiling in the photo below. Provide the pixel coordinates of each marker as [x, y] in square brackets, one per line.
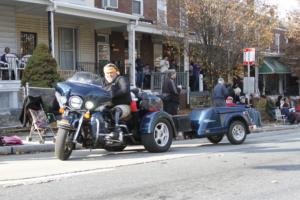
[105, 16]
[32, 7]
[98, 24]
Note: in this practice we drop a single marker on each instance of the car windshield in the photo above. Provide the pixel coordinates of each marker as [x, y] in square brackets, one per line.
[86, 78]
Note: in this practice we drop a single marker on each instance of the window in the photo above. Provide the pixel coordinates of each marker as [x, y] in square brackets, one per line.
[162, 11]
[110, 3]
[28, 42]
[137, 7]
[68, 48]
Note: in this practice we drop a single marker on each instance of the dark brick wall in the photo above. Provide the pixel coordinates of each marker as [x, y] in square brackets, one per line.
[150, 10]
[147, 50]
[173, 13]
[125, 6]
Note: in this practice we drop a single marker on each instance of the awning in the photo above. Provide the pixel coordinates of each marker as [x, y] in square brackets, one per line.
[273, 66]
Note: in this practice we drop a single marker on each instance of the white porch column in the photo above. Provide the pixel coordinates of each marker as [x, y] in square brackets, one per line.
[186, 63]
[280, 86]
[131, 52]
[51, 30]
[256, 80]
[186, 59]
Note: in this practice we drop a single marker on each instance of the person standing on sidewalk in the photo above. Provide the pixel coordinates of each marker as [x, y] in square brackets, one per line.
[171, 93]
[220, 93]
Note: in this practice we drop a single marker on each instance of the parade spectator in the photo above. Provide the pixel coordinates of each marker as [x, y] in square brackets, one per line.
[279, 101]
[3, 57]
[196, 74]
[237, 93]
[289, 112]
[173, 65]
[220, 93]
[229, 102]
[191, 81]
[170, 93]
[139, 65]
[164, 64]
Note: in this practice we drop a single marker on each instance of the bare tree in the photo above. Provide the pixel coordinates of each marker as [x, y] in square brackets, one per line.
[291, 56]
[220, 29]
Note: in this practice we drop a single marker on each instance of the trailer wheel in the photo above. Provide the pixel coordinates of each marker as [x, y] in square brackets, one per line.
[161, 137]
[215, 139]
[237, 132]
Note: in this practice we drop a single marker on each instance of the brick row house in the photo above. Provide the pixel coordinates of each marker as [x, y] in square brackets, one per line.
[86, 34]
[276, 76]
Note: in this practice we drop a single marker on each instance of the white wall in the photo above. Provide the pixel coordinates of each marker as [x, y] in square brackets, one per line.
[7, 29]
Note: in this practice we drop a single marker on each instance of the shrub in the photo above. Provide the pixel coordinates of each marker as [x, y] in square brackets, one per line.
[41, 69]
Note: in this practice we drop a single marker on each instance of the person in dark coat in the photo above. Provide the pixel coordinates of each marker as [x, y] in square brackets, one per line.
[220, 93]
[3, 57]
[171, 93]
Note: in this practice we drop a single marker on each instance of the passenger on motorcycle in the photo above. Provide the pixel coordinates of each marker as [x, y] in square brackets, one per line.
[120, 90]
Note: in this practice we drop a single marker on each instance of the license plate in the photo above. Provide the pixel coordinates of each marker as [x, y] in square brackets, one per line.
[63, 122]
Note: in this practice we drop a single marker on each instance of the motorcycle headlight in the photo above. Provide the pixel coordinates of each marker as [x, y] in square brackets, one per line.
[75, 102]
[89, 105]
[63, 99]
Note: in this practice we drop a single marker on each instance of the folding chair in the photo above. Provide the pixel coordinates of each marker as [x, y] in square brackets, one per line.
[279, 116]
[40, 125]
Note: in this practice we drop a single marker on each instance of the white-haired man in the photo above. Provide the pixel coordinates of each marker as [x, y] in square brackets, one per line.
[120, 90]
[220, 93]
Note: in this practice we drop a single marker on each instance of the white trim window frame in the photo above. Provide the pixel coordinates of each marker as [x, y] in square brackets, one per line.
[141, 7]
[110, 4]
[162, 12]
[68, 48]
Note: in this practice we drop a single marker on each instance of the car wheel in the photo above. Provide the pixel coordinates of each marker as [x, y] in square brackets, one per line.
[161, 137]
[215, 139]
[237, 132]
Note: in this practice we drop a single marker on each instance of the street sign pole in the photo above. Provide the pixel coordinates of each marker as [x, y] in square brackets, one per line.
[248, 69]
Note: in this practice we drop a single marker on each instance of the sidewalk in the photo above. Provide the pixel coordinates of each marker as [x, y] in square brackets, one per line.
[35, 147]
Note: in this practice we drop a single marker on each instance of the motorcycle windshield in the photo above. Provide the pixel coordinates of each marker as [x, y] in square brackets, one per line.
[86, 85]
[86, 78]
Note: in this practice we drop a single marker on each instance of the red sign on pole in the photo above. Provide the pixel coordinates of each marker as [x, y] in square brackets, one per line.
[249, 56]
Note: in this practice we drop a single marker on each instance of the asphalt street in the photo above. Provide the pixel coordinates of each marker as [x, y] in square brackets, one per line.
[266, 166]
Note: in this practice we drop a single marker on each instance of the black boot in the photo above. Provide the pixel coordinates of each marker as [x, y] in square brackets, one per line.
[117, 134]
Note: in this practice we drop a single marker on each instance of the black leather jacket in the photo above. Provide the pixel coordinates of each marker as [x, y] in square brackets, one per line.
[120, 90]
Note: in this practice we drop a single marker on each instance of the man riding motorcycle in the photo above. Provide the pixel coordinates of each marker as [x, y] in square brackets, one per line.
[120, 90]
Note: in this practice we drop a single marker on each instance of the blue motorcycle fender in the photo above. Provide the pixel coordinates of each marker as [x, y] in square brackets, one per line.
[148, 122]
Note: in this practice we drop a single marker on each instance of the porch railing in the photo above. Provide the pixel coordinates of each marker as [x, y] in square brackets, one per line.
[157, 79]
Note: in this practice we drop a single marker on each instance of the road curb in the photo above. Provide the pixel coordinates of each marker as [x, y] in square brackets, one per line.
[26, 148]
